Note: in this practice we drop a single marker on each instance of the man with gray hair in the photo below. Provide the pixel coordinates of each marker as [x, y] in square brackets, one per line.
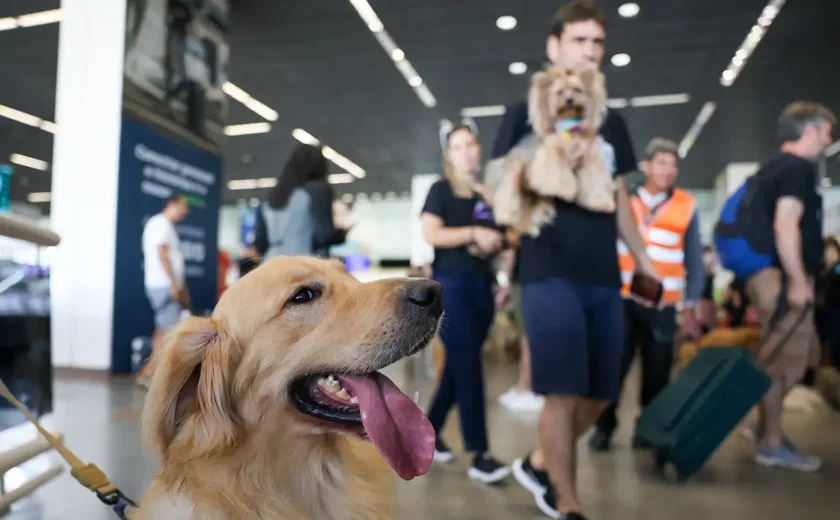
[667, 220]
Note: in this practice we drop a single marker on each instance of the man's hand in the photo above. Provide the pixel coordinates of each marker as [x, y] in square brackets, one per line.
[175, 290]
[689, 326]
[799, 293]
[575, 146]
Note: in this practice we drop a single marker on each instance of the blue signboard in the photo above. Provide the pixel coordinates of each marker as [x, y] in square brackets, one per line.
[152, 168]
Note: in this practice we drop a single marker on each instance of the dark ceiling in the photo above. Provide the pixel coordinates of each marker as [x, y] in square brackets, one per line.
[317, 64]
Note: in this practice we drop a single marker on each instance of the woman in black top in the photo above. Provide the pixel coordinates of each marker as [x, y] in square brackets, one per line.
[458, 222]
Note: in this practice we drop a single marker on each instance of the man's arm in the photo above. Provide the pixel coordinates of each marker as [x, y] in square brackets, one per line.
[695, 271]
[163, 256]
[513, 127]
[789, 212]
[630, 232]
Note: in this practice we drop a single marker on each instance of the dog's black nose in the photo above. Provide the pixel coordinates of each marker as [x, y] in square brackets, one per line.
[570, 102]
[425, 294]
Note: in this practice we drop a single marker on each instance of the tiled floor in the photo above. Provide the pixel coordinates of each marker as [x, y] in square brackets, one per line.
[99, 420]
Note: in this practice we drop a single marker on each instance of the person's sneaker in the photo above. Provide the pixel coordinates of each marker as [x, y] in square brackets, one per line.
[600, 440]
[487, 470]
[784, 457]
[518, 400]
[534, 480]
[442, 452]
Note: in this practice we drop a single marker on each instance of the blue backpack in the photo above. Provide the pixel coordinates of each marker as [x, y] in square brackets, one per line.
[744, 236]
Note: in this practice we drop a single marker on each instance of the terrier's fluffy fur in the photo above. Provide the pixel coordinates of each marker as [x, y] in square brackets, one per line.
[566, 165]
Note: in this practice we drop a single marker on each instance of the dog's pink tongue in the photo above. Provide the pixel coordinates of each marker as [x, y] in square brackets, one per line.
[395, 425]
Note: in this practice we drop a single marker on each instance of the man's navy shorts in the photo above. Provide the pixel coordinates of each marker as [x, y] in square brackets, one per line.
[574, 332]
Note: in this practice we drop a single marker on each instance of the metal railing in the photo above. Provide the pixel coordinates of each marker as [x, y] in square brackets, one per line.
[26, 230]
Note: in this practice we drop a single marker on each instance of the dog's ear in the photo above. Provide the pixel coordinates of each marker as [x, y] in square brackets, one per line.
[595, 86]
[191, 394]
[538, 106]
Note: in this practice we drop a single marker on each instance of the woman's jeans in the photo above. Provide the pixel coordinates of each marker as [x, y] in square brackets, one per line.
[468, 308]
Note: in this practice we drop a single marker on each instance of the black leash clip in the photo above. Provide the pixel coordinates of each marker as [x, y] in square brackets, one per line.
[118, 502]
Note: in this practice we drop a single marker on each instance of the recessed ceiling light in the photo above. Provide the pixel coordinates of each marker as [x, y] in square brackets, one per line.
[628, 10]
[620, 60]
[397, 54]
[517, 67]
[415, 81]
[506, 23]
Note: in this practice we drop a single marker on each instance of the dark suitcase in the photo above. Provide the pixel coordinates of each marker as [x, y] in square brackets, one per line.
[692, 416]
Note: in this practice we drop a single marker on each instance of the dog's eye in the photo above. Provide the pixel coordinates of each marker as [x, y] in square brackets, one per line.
[304, 295]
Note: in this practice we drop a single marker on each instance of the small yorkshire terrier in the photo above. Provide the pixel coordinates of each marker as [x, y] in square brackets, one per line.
[566, 108]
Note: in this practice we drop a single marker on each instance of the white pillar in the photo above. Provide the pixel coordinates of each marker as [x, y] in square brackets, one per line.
[84, 180]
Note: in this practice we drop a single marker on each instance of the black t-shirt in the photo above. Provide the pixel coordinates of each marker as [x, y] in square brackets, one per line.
[579, 244]
[791, 176]
[458, 212]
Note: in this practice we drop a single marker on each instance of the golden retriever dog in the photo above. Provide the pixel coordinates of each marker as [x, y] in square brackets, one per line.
[273, 407]
[566, 108]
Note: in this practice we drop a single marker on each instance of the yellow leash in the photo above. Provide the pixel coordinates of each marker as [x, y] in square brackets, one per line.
[88, 475]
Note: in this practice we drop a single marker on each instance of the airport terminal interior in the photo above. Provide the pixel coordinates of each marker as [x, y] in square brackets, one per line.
[160, 157]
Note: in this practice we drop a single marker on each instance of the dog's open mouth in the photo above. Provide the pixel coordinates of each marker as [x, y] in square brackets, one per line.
[371, 405]
[570, 112]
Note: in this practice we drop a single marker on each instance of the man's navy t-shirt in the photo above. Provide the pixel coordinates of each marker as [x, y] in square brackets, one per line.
[578, 245]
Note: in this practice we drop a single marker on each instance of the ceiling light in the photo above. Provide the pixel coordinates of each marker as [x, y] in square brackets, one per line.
[331, 155]
[617, 103]
[343, 162]
[748, 46]
[620, 60]
[397, 55]
[506, 23]
[29, 162]
[305, 137]
[517, 67]
[39, 196]
[27, 119]
[485, 111]
[696, 127]
[252, 184]
[628, 10]
[250, 102]
[660, 100]
[825, 182]
[31, 19]
[340, 178]
[247, 129]
[347, 198]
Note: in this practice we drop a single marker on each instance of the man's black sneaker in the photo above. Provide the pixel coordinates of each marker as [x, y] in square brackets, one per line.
[487, 470]
[442, 452]
[534, 480]
[600, 440]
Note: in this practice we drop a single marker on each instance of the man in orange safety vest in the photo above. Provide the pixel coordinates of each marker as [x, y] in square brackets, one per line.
[667, 220]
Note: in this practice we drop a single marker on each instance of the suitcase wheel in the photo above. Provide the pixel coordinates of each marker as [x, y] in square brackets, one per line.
[670, 470]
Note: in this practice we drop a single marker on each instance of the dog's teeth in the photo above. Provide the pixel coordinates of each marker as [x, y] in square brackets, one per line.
[342, 394]
[354, 400]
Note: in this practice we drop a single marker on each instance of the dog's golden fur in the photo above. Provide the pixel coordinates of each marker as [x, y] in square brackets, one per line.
[231, 444]
[568, 167]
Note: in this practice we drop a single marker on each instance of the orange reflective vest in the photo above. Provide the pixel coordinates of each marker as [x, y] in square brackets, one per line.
[664, 235]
